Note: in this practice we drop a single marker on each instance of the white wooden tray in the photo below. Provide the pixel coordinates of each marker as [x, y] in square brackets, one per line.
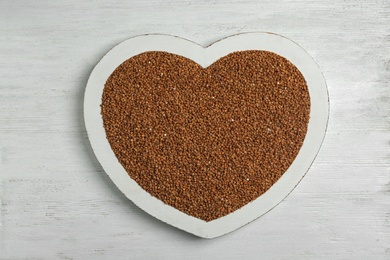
[206, 56]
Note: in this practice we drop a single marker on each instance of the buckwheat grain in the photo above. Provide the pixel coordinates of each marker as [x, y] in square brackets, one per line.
[206, 141]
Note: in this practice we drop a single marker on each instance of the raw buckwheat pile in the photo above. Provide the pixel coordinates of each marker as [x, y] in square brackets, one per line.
[206, 141]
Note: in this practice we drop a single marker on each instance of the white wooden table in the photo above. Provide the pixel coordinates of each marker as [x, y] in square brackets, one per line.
[56, 201]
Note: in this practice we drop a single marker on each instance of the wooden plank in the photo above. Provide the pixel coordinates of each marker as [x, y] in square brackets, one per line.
[56, 201]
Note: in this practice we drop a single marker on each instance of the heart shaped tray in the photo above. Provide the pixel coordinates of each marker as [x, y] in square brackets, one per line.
[205, 57]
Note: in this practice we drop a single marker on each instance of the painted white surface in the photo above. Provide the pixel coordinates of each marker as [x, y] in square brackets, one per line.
[319, 111]
[56, 202]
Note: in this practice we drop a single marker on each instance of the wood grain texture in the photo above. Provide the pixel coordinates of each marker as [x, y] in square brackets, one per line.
[56, 201]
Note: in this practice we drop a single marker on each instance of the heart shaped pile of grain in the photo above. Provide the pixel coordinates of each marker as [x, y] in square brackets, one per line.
[206, 141]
